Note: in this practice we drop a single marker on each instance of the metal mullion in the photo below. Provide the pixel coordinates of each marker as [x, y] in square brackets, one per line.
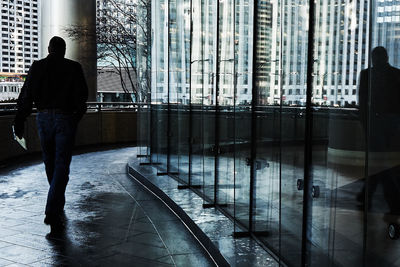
[234, 115]
[190, 143]
[169, 89]
[253, 140]
[281, 25]
[149, 106]
[367, 138]
[216, 121]
[307, 199]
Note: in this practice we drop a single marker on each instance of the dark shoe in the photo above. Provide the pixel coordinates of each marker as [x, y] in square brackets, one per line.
[57, 231]
[55, 235]
[47, 220]
[54, 219]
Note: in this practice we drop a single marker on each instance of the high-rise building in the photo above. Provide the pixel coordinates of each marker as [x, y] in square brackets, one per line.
[341, 45]
[19, 40]
[19, 35]
[342, 39]
[386, 28]
[262, 72]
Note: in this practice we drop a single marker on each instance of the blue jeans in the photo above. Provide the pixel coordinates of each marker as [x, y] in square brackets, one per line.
[57, 137]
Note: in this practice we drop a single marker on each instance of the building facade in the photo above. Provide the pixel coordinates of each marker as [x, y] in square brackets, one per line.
[19, 35]
[19, 41]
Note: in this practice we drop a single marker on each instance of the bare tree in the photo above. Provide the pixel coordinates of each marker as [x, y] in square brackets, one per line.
[117, 27]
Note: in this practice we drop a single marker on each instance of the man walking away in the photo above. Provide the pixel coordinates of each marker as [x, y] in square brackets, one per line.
[58, 88]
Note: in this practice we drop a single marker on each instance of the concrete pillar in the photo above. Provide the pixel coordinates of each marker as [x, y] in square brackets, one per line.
[59, 15]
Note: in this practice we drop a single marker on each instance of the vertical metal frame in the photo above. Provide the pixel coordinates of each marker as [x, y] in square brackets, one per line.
[367, 137]
[152, 140]
[190, 141]
[148, 69]
[281, 39]
[234, 115]
[217, 113]
[253, 153]
[307, 199]
[169, 90]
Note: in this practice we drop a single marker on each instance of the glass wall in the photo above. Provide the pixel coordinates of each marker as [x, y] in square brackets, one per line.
[143, 60]
[284, 115]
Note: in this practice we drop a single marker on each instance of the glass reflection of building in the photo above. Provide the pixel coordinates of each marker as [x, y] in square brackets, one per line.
[230, 116]
[341, 46]
[387, 24]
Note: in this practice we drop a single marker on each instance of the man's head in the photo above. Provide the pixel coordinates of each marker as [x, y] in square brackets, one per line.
[57, 46]
[379, 56]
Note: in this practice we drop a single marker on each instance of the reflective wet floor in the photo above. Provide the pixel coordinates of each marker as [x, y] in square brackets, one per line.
[110, 219]
[243, 251]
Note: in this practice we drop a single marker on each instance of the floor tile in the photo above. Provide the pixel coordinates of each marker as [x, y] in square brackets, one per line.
[21, 254]
[110, 220]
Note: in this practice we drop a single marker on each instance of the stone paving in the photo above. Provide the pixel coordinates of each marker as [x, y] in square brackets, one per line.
[111, 220]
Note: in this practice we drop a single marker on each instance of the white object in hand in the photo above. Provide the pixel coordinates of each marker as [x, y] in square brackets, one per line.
[21, 141]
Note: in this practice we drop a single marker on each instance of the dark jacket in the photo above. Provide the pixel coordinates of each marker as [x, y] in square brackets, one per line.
[53, 83]
[379, 92]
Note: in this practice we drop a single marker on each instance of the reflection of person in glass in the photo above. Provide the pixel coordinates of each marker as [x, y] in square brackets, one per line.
[379, 99]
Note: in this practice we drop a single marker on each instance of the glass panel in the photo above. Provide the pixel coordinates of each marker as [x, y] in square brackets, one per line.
[143, 60]
[197, 85]
[175, 83]
[225, 103]
[159, 85]
[336, 223]
[293, 43]
[243, 109]
[209, 98]
[379, 106]
[179, 44]
[184, 89]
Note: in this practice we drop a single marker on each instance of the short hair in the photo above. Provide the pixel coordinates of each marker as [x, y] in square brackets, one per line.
[379, 55]
[57, 45]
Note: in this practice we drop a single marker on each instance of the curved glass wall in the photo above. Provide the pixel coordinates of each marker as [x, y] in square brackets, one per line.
[284, 115]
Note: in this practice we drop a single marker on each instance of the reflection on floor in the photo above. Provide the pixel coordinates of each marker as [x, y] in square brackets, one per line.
[337, 222]
[238, 252]
[111, 220]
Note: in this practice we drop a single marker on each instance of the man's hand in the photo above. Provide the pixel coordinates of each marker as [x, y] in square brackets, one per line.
[19, 128]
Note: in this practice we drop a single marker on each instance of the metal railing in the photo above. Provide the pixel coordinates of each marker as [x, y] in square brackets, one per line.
[11, 108]
[349, 113]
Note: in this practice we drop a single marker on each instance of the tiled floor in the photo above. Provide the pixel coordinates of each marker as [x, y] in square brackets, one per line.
[111, 220]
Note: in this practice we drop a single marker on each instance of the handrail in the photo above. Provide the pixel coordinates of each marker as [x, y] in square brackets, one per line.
[11, 108]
